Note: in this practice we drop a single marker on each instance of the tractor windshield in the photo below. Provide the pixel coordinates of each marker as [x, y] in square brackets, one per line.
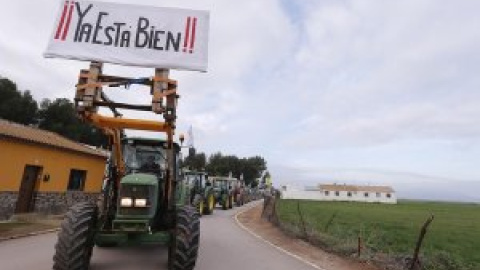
[221, 184]
[146, 159]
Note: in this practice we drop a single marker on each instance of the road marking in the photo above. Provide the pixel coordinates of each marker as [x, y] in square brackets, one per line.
[272, 244]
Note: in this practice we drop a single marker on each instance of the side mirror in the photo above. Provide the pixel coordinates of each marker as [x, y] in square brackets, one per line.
[181, 138]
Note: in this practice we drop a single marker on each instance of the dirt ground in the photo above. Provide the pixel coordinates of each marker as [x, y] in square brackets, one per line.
[251, 219]
[27, 224]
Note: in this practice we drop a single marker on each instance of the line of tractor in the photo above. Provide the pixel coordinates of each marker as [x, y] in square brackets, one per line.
[206, 192]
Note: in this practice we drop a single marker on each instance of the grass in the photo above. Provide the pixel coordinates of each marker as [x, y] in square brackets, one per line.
[452, 240]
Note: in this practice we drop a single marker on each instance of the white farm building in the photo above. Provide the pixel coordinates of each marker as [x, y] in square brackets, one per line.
[335, 192]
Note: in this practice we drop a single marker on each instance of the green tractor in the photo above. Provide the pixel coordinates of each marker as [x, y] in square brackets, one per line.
[202, 195]
[144, 198]
[239, 192]
[223, 188]
[138, 214]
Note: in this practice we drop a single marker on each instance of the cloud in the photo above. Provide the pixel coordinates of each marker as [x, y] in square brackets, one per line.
[367, 76]
[389, 85]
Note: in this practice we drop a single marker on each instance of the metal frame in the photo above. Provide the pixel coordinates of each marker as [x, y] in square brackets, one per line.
[90, 96]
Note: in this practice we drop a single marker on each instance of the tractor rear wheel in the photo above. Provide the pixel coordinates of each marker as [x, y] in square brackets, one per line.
[239, 200]
[210, 205]
[230, 202]
[225, 202]
[183, 250]
[73, 249]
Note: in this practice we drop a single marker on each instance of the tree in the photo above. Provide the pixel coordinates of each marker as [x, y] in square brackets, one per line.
[251, 168]
[195, 161]
[59, 116]
[254, 167]
[17, 106]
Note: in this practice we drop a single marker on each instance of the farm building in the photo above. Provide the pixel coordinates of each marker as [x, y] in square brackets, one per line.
[334, 192]
[41, 171]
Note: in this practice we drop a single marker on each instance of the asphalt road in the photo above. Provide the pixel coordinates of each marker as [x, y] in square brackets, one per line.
[224, 245]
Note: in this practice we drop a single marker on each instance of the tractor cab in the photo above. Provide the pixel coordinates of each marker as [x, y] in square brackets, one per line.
[145, 156]
[223, 189]
[196, 180]
[201, 192]
[141, 200]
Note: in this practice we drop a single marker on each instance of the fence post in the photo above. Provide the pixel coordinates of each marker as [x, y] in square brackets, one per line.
[301, 220]
[359, 246]
[266, 201]
[274, 217]
[423, 231]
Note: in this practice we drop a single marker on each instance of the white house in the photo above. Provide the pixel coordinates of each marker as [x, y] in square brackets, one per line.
[335, 192]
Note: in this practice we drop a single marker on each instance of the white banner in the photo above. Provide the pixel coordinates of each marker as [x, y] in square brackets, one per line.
[131, 35]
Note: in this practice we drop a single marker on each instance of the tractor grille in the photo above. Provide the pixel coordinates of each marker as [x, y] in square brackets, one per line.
[136, 192]
[134, 211]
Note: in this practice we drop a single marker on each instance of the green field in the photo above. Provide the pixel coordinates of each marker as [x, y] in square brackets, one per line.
[452, 240]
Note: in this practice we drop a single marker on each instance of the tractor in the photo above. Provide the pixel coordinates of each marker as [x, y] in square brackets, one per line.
[239, 193]
[202, 195]
[144, 199]
[223, 188]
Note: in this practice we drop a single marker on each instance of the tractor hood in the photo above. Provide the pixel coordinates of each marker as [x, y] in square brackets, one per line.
[140, 179]
[138, 196]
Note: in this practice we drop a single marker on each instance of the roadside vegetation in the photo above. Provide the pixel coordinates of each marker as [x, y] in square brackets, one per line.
[388, 233]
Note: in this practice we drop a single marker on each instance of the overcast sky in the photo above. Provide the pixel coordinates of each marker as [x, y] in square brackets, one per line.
[368, 92]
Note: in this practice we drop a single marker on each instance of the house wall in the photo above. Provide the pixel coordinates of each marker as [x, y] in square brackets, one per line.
[57, 163]
[359, 196]
[50, 195]
[319, 195]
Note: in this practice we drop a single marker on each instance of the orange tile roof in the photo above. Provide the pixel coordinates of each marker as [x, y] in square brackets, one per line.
[384, 189]
[34, 135]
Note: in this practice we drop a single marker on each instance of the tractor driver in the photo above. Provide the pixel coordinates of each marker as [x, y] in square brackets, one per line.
[150, 165]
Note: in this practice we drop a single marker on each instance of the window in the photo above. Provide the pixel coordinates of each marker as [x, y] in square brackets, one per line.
[77, 180]
[327, 192]
[366, 194]
[389, 195]
[378, 194]
[337, 193]
[349, 194]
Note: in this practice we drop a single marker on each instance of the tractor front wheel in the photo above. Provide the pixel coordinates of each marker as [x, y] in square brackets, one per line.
[225, 201]
[210, 205]
[73, 249]
[198, 204]
[183, 250]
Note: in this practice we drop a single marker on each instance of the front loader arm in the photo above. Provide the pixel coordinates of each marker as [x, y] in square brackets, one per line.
[90, 96]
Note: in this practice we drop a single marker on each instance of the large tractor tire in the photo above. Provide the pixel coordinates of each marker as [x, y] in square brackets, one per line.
[183, 250]
[225, 202]
[210, 205]
[239, 200]
[73, 249]
[198, 203]
[230, 202]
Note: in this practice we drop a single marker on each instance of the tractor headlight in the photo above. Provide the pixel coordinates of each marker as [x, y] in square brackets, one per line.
[140, 202]
[126, 202]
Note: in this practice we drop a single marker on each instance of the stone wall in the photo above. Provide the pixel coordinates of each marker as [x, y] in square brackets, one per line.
[50, 203]
[8, 201]
[59, 202]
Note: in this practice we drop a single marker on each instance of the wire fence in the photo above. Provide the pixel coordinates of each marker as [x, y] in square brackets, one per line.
[358, 248]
